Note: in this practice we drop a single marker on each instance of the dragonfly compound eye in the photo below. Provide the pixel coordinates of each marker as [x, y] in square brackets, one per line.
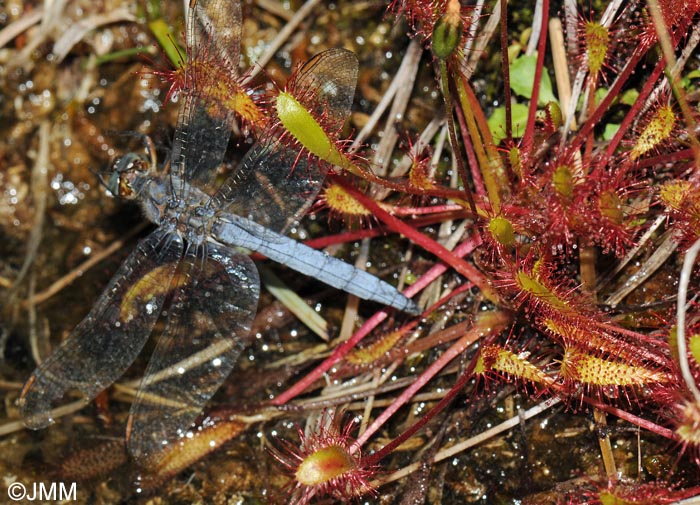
[125, 188]
[124, 171]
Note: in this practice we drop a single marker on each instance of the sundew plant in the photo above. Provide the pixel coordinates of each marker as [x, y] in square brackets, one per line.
[527, 172]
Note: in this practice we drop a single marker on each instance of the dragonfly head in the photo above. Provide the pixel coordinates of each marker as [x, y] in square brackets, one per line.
[123, 174]
[127, 172]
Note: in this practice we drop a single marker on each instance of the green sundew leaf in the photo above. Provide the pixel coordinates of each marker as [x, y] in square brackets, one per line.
[124, 53]
[513, 51]
[693, 74]
[161, 31]
[497, 121]
[525, 36]
[629, 97]
[610, 130]
[522, 78]
[600, 93]
[694, 346]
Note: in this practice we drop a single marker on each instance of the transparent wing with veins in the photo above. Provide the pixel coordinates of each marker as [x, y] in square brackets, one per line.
[209, 93]
[217, 25]
[211, 313]
[276, 183]
[111, 336]
[325, 86]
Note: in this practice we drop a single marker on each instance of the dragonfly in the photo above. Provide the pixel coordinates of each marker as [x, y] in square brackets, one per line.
[190, 271]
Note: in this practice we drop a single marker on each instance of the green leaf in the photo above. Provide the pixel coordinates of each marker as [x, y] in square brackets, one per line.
[522, 78]
[694, 346]
[161, 31]
[629, 97]
[600, 93]
[497, 121]
[610, 130]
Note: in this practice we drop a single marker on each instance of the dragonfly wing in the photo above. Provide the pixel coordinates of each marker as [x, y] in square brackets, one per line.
[275, 183]
[199, 145]
[265, 189]
[325, 85]
[208, 91]
[216, 24]
[109, 339]
[211, 314]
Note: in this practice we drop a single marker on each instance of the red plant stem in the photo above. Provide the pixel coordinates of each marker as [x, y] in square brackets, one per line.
[588, 151]
[442, 213]
[489, 161]
[685, 154]
[436, 271]
[637, 421]
[338, 354]
[629, 333]
[613, 92]
[479, 187]
[505, 63]
[452, 132]
[528, 137]
[432, 209]
[437, 191]
[442, 301]
[486, 324]
[351, 236]
[375, 458]
[461, 266]
[632, 114]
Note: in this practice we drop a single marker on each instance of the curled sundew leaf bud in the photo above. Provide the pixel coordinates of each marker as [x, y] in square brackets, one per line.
[554, 115]
[554, 112]
[447, 31]
[597, 44]
[595, 371]
[341, 201]
[550, 117]
[655, 132]
[502, 231]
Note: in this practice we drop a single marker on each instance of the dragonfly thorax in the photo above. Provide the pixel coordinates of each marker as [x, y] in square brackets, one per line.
[182, 208]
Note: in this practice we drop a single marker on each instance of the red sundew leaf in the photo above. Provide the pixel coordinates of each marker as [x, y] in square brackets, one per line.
[462, 250]
[528, 137]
